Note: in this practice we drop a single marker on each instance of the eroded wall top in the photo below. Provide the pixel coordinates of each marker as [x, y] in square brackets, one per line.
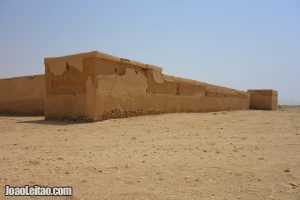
[77, 61]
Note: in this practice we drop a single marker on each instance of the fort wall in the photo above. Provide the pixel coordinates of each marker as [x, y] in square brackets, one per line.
[95, 86]
[263, 99]
[22, 95]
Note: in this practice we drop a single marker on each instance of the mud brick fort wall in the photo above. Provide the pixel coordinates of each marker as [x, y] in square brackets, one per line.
[95, 86]
[263, 99]
[22, 95]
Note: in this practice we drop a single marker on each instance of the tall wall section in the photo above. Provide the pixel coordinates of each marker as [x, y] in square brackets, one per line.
[95, 86]
[22, 95]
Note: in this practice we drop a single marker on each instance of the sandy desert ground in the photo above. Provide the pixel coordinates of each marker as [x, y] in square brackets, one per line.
[221, 155]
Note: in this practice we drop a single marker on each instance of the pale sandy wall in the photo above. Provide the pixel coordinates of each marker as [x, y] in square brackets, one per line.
[96, 86]
[22, 95]
[129, 95]
[263, 99]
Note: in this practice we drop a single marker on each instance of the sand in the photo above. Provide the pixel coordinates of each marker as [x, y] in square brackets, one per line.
[221, 155]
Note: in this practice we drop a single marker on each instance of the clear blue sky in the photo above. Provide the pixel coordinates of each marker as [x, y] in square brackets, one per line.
[238, 44]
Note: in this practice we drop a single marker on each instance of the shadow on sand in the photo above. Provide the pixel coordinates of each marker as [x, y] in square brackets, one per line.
[48, 122]
[41, 120]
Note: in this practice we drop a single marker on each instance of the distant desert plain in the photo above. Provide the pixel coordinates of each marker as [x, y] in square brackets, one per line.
[245, 154]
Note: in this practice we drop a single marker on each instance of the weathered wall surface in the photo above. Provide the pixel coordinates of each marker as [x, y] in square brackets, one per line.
[95, 86]
[22, 95]
[263, 99]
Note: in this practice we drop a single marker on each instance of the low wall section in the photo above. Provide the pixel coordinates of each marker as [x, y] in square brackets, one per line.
[22, 95]
[263, 99]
